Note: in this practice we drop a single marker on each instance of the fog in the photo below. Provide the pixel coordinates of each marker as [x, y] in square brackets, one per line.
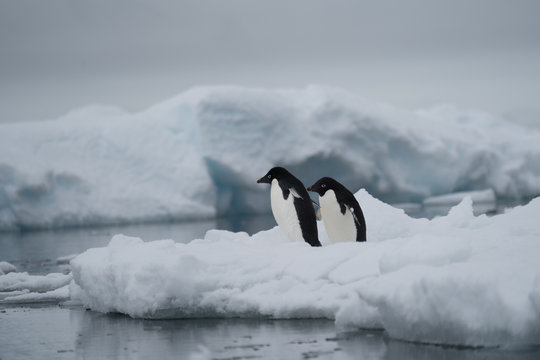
[63, 54]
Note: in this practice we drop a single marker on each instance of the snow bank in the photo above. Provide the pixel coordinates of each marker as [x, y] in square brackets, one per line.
[198, 155]
[457, 279]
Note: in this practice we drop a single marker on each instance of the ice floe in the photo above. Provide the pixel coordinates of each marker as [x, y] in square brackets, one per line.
[458, 279]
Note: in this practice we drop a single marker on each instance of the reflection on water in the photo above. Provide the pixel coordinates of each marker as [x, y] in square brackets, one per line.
[62, 333]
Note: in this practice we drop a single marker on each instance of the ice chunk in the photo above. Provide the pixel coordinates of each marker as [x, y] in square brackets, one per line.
[57, 295]
[457, 279]
[36, 283]
[62, 260]
[479, 196]
[24, 288]
[6, 267]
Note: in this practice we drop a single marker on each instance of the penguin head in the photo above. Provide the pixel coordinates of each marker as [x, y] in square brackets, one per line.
[323, 185]
[274, 173]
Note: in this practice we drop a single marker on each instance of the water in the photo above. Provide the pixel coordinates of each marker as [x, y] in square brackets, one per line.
[49, 331]
[61, 333]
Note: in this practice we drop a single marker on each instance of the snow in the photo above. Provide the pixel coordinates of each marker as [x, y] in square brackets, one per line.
[458, 279]
[198, 155]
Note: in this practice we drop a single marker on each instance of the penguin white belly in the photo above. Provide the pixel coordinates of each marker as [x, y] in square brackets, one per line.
[340, 227]
[285, 213]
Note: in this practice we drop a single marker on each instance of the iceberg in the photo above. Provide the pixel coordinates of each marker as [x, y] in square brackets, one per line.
[198, 154]
[459, 279]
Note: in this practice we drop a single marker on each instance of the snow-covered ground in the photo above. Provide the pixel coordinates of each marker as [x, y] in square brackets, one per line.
[198, 155]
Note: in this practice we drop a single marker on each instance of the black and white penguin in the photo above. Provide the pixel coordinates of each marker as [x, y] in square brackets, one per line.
[291, 206]
[341, 214]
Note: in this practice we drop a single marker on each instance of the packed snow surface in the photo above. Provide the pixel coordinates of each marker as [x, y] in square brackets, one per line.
[458, 279]
[198, 155]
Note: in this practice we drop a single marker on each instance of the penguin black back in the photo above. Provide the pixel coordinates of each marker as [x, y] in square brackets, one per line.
[346, 200]
[292, 186]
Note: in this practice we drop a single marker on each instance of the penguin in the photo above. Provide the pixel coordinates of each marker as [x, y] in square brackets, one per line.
[291, 206]
[341, 214]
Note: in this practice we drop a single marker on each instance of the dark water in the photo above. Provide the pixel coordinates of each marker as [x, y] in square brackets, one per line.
[49, 331]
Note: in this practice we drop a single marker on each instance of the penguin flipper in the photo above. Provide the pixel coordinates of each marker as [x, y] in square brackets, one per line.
[295, 194]
[291, 191]
[351, 209]
[343, 207]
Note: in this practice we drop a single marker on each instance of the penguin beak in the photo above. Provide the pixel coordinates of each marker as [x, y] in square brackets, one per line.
[262, 180]
[309, 189]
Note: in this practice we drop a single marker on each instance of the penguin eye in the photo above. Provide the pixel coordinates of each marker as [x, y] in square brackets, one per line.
[269, 176]
[323, 185]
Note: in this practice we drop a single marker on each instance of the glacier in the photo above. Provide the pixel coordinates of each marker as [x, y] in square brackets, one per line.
[197, 155]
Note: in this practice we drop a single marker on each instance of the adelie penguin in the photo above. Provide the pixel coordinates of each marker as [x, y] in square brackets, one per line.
[341, 214]
[291, 206]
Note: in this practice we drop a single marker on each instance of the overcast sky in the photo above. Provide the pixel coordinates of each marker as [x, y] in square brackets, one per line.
[57, 55]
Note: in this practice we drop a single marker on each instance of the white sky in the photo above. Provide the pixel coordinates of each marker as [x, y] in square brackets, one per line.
[57, 55]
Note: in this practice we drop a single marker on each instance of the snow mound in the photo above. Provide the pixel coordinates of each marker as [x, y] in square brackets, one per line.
[457, 279]
[198, 155]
